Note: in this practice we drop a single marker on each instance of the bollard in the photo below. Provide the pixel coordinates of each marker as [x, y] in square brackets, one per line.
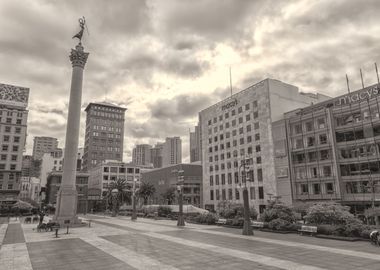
[89, 223]
[67, 231]
[56, 232]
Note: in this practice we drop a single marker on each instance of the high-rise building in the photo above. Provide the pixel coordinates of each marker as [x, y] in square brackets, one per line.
[195, 145]
[156, 155]
[43, 145]
[104, 134]
[13, 124]
[237, 131]
[330, 151]
[172, 151]
[141, 154]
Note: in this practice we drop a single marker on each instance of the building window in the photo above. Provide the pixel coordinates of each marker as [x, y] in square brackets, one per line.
[211, 180]
[314, 172]
[317, 188]
[217, 195]
[211, 195]
[226, 115]
[252, 193]
[3, 157]
[309, 126]
[229, 177]
[322, 139]
[14, 157]
[10, 186]
[230, 194]
[241, 130]
[236, 176]
[6, 138]
[304, 189]
[324, 154]
[246, 107]
[255, 103]
[258, 160]
[321, 122]
[260, 175]
[327, 171]
[255, 115]
[257, 137]
[220, 117]
[237, 194]
[258, 148]
[217, 180]
[261, 193]
[7, 129]
[330, 188]
[248, 117]
[310, 141]
[297, 129]
[223, 194]
[240, 110]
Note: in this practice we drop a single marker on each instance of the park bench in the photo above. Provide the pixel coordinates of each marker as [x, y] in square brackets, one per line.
[221, 221]
[257, 225]
[312, 230]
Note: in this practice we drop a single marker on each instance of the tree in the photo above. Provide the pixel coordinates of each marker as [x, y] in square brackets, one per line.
[146, 190]
[123, 193]
[330, 213]
[277, 210]
[169, 195]
[228, 209]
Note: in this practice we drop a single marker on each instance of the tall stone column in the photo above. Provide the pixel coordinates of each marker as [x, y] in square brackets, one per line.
[67, 198]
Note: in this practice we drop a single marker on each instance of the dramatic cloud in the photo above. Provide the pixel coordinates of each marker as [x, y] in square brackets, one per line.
[167, 60]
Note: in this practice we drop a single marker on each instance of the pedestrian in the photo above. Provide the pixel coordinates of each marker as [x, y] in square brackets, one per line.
[374, 237]
[41, 214]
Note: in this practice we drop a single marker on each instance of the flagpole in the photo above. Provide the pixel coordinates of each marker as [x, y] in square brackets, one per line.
[377, 73]
[361, 76]
[348, 84]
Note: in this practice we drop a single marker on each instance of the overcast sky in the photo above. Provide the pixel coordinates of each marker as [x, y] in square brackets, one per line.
[166, 60]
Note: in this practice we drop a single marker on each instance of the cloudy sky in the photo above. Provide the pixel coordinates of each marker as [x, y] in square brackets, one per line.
[167, 60]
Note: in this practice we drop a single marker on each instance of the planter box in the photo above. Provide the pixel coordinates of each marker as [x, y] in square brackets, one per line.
[275, 231]
[341, 238]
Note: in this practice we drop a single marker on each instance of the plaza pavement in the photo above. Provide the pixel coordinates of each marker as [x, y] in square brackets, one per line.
[119, 243]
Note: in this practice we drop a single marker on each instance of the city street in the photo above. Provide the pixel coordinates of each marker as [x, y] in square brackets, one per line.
[119, 243]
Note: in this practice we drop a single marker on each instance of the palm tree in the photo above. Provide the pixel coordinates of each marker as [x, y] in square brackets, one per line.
[169, 195]
[146, 190]
[123, 193]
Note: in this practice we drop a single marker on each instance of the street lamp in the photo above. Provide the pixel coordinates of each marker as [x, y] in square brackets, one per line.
[114, 193]
[180, 180]
[134, 190]
[247, 229]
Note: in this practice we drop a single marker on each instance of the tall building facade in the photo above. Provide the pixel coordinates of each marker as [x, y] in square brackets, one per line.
[43, 145]
[13, 125]
[104, 134]
[333, 150]
[172, 151]
[156, 155]
[30, 166]
[195, 145]
[141, 154]
[237, 131]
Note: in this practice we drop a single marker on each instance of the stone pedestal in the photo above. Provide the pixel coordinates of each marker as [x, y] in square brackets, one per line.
[67, 197]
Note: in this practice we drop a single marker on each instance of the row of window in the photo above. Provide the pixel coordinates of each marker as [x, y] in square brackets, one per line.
[222, 146]
[308, 126]
[312, 156]
[363, 168]
[4, 157]
[121, 170]
[309, 141]
[5, 147]
[11, 176]
[106, 114]
[8, 129]
[358, 134]
[109, 149]
[313, 172]
[234, 153]
[362, 187]
[228, 194]
[361, 151]
[233, 112]
[228, 165]
[248, 176]
[106, 122]
[9, 187]
[7, 138]
[256, 126]
[357, 117]
[227, 135]
[9, 120]
[105, 128]
[107, 109]
[12, 167]
[315, 189]
[11, 113]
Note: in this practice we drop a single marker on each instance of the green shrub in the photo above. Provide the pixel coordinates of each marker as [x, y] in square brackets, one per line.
[207, 218]
[164, 211]
[278, 211]
[279, 224]
[330, 213]
[326, 229]
[231, 210]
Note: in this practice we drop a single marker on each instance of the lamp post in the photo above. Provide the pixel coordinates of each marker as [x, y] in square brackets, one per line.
[134, 190]
[180, 180]
[114, 193]
[247, 229]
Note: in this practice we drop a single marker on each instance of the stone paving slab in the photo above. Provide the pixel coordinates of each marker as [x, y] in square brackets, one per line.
[71, 254]
[14, 234]
[181, 256]
[14, 257]
[308, 256]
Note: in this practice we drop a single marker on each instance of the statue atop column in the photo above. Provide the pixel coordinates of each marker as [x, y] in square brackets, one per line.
[82, 24]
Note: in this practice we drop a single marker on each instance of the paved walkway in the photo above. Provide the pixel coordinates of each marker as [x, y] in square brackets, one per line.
[119, 243]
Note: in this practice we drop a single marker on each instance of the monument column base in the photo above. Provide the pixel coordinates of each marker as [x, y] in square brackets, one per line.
[66, 209]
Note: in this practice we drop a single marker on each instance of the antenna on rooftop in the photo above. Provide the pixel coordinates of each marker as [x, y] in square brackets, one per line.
[377, 73]
[361, 76]
[348, 84]
[230, 82]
